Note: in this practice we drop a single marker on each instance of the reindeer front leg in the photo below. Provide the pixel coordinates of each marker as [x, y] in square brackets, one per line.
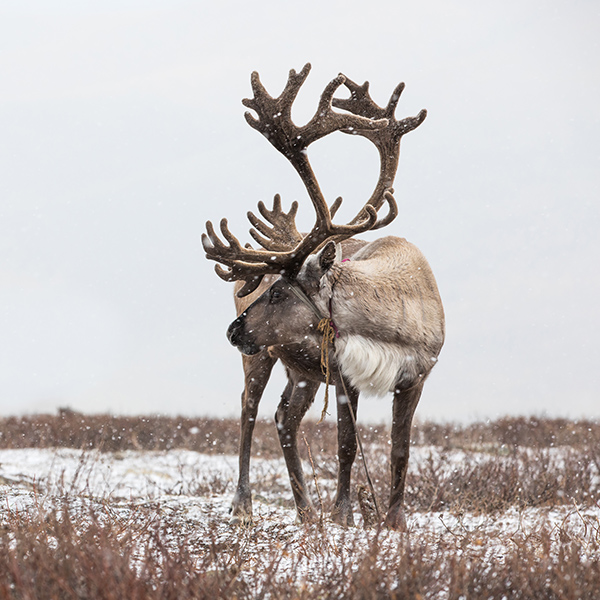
[342, 508]
[257, 370]
[405, 403]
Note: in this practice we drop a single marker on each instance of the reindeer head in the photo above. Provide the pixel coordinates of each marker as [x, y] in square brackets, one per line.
[289, 311]
[289, 308]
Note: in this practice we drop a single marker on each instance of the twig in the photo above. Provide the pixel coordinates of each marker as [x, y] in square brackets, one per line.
[312, 464]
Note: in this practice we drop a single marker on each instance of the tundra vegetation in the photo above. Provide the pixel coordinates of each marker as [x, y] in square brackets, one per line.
[109, 507]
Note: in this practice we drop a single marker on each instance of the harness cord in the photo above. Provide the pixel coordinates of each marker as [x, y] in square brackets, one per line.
[327, 327]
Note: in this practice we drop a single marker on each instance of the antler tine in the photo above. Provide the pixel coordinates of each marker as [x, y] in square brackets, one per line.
[392, 211]
[386, 140]
[326, 120]
[233, 253]
[390, 109]
[274, 114]
[283, 234]
[250, 273]
[237, 259]
[360, 101]
[335, 206]
[409, 123]
[293, 85]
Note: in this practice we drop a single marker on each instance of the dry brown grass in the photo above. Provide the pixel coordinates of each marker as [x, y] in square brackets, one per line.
[71, 546]
[66, 552]
[535, 432]
[489, 483]
[220, 436]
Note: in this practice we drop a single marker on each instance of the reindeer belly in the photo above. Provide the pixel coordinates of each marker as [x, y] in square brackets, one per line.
[376, 368]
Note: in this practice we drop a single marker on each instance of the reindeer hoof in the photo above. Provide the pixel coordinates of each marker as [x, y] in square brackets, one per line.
[342, 515]
[306, 515]
[241, 511]
[241, 520]
[396, 519]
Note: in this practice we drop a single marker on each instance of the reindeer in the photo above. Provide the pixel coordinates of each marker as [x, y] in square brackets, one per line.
[383, 304]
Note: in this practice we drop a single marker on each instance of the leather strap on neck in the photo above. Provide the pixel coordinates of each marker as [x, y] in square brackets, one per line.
[303, 296]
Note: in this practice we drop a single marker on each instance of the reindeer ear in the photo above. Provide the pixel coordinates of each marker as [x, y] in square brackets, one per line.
[328, 256]
[316, 265]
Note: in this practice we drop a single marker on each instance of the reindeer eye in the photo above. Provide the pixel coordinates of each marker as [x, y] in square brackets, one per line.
[275, 295]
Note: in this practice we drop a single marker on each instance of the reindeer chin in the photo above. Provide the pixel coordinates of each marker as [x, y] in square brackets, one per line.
[249, 349]
[246, 347]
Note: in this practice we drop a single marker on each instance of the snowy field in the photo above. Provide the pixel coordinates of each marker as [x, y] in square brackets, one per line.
[189, 493]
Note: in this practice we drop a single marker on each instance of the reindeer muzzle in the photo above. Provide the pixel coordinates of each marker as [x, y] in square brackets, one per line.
[239, 337]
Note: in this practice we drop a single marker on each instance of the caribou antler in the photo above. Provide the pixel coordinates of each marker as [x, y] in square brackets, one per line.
[282, 233]
[386, 140]
[250, 265]
[285, 253]
[275, 123]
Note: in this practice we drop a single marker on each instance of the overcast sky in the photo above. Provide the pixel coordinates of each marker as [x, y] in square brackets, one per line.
[122, 131]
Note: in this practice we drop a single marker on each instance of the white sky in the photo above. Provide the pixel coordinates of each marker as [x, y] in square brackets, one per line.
[122, 131]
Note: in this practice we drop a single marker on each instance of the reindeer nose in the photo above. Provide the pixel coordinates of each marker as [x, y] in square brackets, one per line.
[234, 331]
[238, 336]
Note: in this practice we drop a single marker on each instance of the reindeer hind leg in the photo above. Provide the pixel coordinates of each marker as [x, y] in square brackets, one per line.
[405, 403]
[295, 401]
[347, 445]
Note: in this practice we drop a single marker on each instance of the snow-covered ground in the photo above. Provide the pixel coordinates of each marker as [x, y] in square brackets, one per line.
[193, 492]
